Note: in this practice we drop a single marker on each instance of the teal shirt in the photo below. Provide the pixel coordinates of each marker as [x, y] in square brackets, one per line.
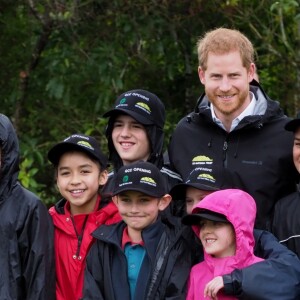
[135, 255]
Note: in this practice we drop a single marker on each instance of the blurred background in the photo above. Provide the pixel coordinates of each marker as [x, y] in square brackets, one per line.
[63, 63]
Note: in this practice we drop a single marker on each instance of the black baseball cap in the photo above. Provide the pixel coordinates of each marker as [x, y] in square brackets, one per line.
[293, 125]
[142, 177]
[205, 180]
[194, 219]
[80, 142]
[143, 106]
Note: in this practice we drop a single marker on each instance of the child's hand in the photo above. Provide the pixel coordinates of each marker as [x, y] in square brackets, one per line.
[213, 287]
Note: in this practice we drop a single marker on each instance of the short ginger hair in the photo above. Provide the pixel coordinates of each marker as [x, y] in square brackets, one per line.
[222, 41]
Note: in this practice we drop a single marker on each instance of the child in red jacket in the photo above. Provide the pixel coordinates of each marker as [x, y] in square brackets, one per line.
[80, 168]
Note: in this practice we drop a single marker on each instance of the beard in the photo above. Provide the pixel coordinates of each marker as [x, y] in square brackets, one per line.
[230, 107]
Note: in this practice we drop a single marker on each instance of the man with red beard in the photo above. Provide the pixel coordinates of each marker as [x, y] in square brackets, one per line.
[236, 126]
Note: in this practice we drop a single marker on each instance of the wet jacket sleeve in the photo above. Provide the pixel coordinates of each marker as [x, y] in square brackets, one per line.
[36, 242]
[93, 276]
[278, 277]
[176, 287]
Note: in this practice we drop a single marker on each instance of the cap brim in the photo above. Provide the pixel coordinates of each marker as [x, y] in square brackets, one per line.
[194, 219]
[292, 125]
[132, 114]
[181, 187]
[136, 189]
[58, 150]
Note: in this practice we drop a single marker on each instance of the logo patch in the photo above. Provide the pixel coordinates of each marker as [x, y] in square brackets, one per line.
[122, 103]
[145, 107]
[85, 144]
[148, 180]
[208, 177]
[202, 160]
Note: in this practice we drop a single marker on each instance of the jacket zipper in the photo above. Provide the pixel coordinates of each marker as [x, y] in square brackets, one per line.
[225, 147]
[153, 285]
[79, 237]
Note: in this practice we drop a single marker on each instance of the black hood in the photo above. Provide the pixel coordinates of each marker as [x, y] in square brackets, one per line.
[156, 138]
[266, 108]
[9, 156]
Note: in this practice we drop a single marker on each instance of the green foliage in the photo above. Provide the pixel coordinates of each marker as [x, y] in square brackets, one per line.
[286, 5]
[27, 173]
[65, 62]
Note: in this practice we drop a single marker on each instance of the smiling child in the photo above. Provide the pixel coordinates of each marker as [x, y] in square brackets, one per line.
[80, 171]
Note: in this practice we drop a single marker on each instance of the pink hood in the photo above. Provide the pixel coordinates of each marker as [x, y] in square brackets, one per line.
[240, 210]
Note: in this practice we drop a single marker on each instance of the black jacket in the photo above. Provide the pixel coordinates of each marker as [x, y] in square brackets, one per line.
[276, 278]
[26, 231]
[286, 223]
[164, 271]
[256, 156]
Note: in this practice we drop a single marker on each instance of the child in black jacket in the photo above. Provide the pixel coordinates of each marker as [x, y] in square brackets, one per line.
[286, 221]
[142, 257]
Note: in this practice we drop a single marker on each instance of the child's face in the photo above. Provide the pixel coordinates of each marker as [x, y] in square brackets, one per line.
[139, 210]
[130, 139]
[296, 150]
[78, 180]
[193, 196]
[217, 238]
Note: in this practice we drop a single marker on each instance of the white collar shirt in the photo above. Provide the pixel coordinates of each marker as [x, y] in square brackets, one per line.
[247, 112]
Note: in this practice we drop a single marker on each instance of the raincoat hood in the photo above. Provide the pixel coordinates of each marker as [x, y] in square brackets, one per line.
[9, 157]
[264, 110]
[240, 210]
[26, 248]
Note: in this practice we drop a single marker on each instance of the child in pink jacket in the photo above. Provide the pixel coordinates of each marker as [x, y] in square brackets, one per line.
[224, 222]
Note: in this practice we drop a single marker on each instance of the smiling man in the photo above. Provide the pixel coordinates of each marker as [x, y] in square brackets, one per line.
[236, 126]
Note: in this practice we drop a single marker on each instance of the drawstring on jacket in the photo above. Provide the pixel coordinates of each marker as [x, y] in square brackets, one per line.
[259, 125]
[209, 145]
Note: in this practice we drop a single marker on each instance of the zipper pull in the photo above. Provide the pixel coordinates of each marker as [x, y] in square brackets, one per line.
[78, 247]
[225, 147]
